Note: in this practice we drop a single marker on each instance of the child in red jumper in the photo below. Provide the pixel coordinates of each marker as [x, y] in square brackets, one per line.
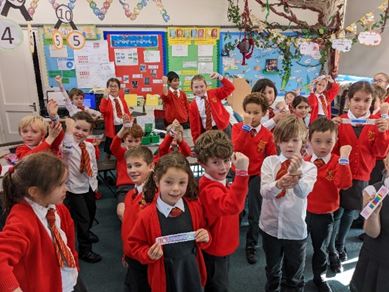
[175, 101]
[177, 266]
[369, 142]
[33, 129]
[112, 107]
[333, 174]
[173, 141]
[132, 135]
[320, 99]
[206, 111]
[255, 141]
[37, 224]
[139, 161]
[222, 204]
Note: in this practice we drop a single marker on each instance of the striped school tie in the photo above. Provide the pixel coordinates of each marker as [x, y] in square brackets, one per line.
[175, 212]
[319, 162]
[323, 104]
[85, 160]
[208, 114]
[81, 107]
[62, 251]
[283, 170]
[271, 113]
[119, 112]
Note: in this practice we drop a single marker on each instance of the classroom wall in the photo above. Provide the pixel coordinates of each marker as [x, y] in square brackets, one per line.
[364, 60]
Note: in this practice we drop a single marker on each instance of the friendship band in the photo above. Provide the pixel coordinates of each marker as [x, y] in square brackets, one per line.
[241, 173]
[175, 238]
[246, 128]
[344, 161]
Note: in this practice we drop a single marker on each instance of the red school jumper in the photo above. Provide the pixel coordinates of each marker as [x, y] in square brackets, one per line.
[165, 148]
[24, 150]
[222, 207]
[219, 113]
[255, 148]
[106, 110]
[176, 107]
[121, 165]
[331, 177]
[314, 104]
[26, 251]
[147, 229]
[370, 145]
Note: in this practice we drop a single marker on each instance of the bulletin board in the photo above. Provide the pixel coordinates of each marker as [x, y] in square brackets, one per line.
[267, 63]
[139, 60]
[192, 51]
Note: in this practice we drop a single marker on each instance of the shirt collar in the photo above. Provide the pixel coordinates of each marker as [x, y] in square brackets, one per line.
[282, 158]
[326, 158]
[113, 98]
[351, 116]
[165, 209]
[139, 188]
[199, 97]
[40, 210]
[223, 182]
[172, 90]
[257, 129]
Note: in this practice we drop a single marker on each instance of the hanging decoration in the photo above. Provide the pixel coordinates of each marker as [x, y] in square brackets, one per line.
[33, 7]
[16, 4]
[246, 45]
[135, 12]
[100, 13]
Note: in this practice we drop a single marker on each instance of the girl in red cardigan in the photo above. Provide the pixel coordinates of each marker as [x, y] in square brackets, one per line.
[369, 141]
[177, 266]
[37, 244]
[206, 111]
[320, 99]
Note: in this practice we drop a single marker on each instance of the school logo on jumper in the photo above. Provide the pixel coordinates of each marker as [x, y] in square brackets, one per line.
[261, 146]
[372, 136]
[330, 174]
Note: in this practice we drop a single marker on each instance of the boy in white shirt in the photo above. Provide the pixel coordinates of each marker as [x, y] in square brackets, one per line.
[80, 158]
[286, 181]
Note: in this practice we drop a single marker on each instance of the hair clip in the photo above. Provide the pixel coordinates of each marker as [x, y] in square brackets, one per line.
[11, 169]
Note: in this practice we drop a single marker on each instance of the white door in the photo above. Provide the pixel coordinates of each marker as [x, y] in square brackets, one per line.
[18, 91]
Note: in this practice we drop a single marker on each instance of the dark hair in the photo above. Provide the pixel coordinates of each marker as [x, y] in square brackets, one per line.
[322, 125]
[290, 92]
[113, 80]
[76, 91]
[288, 128]
[171, 160]
[84, 116]
[262, 84]
[299, 99]
[140, 151]
[135, 131]
[172, 75]
[42, 170]
[213, 144]
[353, 89]
[257, 98]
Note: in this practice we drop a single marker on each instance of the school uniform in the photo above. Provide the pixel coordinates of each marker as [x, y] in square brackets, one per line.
[222, 205]
[331, 177]
[316, 104]
[176, 106]
[81, 189]
[372, 269]
[27, 250]
[220, 116]
[165, 148]
[150, 225]
[283, 224]
[24, 150]
[123, 182]
[112, 122]
[73, 109]
[267, 121]
[256, 147]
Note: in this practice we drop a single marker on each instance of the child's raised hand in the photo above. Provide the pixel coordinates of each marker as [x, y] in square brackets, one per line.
[178, 136]
[345, 151]
[295, 163]
[201, 235]
[54, 129]
[297, 91]
[69, 125]
[240, 161]
[382, 125]
[106, 92]
[126, 119]
[329, 78]
[310, 88]
[337, 121]
[384, 108]
[52, 108]
[281, 104]
[280, 115]
[214, 75]
[155, 252]
[247, 119]
[58, 79]
[164, 79]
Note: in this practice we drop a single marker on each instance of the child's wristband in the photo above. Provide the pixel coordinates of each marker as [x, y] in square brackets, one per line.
[56, 119]
[385, 116]
[241, 172]
[246, 128]
[164, 85]
[171, 132]
[344, 161]
[105, 96]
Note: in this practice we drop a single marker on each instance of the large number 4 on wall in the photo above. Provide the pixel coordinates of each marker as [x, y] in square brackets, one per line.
[11, 35]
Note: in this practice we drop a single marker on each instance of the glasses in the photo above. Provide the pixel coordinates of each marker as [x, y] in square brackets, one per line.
[379, 81]
[113, 86]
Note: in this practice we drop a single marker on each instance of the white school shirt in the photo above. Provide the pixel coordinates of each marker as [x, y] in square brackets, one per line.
[268, 123]
[77, 182]
[116, 120]
[201, 106]
[172, 90]
[284, 218]
[165, 209]
[257, 129]
[68, 274]
[72, 109]
[326, 158]
[320, 110]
